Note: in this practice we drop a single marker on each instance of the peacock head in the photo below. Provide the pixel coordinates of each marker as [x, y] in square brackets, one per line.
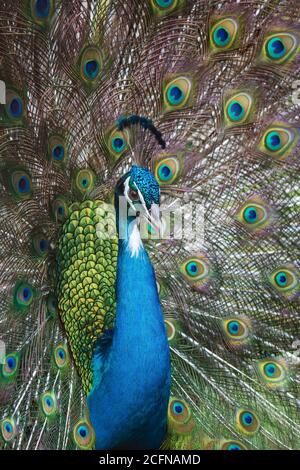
[142, 195]
[141, 186]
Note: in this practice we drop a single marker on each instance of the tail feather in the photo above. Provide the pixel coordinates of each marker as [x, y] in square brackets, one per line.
[231, 297]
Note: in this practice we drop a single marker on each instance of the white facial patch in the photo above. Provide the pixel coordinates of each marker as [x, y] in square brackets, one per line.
[135, 242]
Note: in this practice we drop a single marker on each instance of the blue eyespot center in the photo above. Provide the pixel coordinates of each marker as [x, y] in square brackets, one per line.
[247, 418]
[175, 95]
[233, 327]
[281, 279]
[61, 353]
[270, 369]
[26, 293]
[233, 447]
[23, 184]
[276, 48]
[58, 152]
[118, 144]
[8, 427]
[192, 268]
[42, 8]
[83, 431]
[273, 141]
[250, 215]
[165, 172]
[11, 362]
[178, 408]
[236, 111]
[60, 210]
[91, 69]
[164, 3]
[43, 245]
[221, 36]
[16, 107]
[49, 401]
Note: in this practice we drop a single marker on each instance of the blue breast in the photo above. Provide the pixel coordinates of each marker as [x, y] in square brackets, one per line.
[129, 401]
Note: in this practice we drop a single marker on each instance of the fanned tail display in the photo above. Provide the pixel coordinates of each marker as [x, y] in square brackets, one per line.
[202, 94]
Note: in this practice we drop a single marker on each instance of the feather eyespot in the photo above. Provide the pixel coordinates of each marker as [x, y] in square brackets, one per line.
[21, 184]
[13, 112]
[41, 10]
[177, 92]
[85, 180]
[180, 416]
[164, 6]
[280, 47]
[278, 141]
[11, 365]
[57, 149]
[40, 245]
[48, 404]
[23, 295]
[272, 372]
[197, 271]
[286, 281]
[118, 142]
[91, 64]
[84, 435]
[61, 356]
[223, 34]
[237, 108]
[60, 209]
[15, 107]
[51, 304]
[8, 429]
[178, 408]
[233, 445]
[236, 330]
[255, 215]
[58, 152]
[167, 170]
[247, 421]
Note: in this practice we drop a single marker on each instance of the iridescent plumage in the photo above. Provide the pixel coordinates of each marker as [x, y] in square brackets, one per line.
[202, 94]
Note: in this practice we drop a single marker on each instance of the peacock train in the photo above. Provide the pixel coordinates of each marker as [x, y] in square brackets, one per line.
[117, 119]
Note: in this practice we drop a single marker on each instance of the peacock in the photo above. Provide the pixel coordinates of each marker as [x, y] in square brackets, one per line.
[149, 268]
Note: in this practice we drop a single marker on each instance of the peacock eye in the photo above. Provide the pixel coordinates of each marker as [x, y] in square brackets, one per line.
[48, 404]
[8, 429]
[278, 141]
[134, 195]
[273, 372]
[84, 435]
[238, 108]
[286, 281]
[223, 34]
[280, 47]
[233, 445]
[247, 421]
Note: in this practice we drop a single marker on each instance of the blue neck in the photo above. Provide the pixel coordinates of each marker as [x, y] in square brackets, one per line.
[132, 381]
[138, 306]
[139, 316]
